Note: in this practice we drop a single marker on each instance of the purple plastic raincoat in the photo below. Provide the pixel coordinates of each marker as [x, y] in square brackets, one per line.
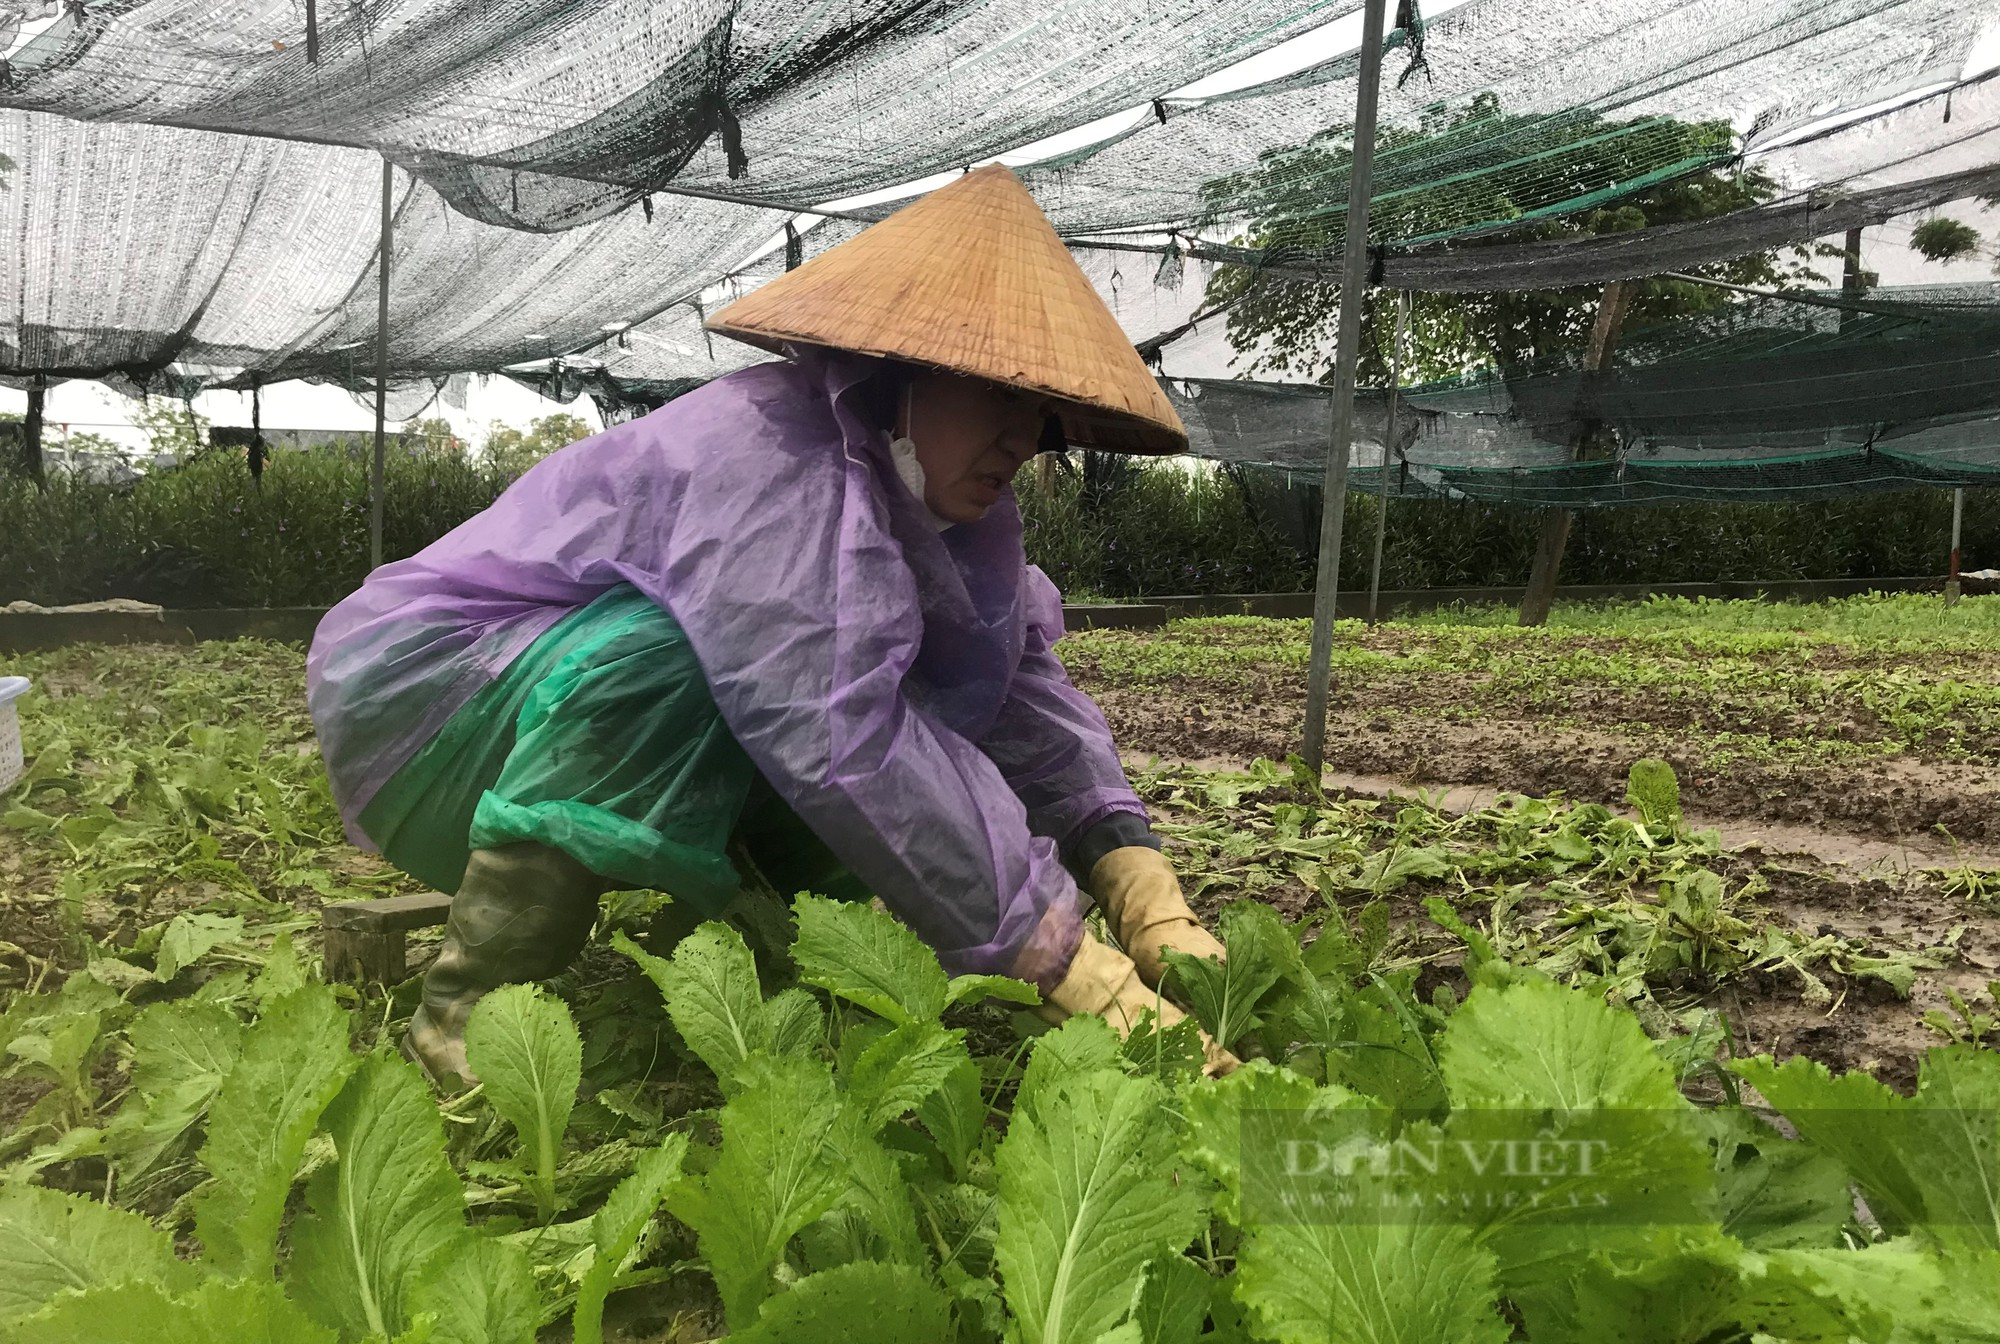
[894, 683]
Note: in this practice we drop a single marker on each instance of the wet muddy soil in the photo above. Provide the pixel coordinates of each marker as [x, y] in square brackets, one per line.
[1856, 873]
[1420, 738]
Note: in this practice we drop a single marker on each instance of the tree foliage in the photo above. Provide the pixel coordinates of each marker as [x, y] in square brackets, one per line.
[1463, 168]
[1943, 239]
[514, 450]
[174, 428]
[433, 435]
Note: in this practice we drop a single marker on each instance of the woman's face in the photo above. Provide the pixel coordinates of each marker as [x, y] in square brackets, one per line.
[971, 437]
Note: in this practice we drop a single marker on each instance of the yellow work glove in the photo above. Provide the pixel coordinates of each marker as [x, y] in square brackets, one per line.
[1143, 907]
[1103, 980]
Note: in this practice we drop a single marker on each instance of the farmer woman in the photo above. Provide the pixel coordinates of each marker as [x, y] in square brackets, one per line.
[791, 609]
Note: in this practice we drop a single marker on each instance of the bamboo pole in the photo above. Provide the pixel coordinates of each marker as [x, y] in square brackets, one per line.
[1333, 492]
[381, 375]
[1388, 451]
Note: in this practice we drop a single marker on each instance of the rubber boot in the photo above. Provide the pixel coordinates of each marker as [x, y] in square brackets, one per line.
[522, 913]
[1104, 981]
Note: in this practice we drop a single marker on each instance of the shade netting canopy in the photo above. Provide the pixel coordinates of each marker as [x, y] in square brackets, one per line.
[194, 194]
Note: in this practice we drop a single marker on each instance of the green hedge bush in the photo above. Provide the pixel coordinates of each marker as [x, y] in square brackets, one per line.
[205, 535]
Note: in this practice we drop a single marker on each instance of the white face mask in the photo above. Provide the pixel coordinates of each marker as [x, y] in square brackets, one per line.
[903, 453]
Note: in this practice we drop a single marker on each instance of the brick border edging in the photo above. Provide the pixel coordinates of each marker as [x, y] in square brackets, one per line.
[25, 632]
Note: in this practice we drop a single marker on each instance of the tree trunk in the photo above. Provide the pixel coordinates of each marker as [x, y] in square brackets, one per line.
[1542, 578]
[1541, 595]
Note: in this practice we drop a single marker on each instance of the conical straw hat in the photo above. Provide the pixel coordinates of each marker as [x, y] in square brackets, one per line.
[972, 278]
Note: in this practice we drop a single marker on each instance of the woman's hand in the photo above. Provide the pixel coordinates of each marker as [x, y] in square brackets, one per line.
[1104, 981]
[1141, 898]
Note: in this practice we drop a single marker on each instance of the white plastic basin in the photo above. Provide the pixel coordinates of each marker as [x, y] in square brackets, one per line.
[10, 731]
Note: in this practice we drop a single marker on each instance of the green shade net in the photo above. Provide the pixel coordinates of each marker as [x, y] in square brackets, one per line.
[1542, 107]
[1766, 400]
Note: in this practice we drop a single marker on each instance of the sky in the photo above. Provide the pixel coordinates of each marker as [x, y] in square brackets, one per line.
[94, 408]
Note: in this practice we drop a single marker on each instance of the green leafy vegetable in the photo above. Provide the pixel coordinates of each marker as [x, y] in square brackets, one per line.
[1539, 1044]
[523, 1045]
[883, 1304]
[901, 1068]
[478, 1291]
[1080, 1045]
[377, 1217]
[52, 1244]
[794, 1023]
[1652, 787]
[182, 1052]
[293, 1063]
[971, 988]
[1087, 1201]
[1849, 1117]
[870, 959]
[1174, 1301]
[776, 1171]
[954, 1113]
[1226, 996]
[282, 973]
[1776, 1193]
[710, 987]
[247, 1312]
[616, 1227]
[189, 938]
[1369, 1283]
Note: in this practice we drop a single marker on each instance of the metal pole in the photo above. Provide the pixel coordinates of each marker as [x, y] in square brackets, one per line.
[1388, 451]
[1353, 276]
[1951, 585]
[381, 376]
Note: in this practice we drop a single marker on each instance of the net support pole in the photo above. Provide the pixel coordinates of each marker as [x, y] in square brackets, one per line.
[1951, 586]
[1388, 451]
[381, 376]
[1353, 278]
[31, 431]
[1850, 274]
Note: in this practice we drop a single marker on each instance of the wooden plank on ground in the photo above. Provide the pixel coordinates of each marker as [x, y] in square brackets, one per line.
[364, 939]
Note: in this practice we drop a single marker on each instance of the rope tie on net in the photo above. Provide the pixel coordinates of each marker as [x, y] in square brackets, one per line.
[1410, 18]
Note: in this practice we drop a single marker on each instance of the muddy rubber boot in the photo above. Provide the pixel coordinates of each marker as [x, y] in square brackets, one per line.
[522, 913]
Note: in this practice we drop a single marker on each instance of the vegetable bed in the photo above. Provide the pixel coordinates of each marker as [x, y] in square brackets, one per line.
[1877, 716]
[794, 1126]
